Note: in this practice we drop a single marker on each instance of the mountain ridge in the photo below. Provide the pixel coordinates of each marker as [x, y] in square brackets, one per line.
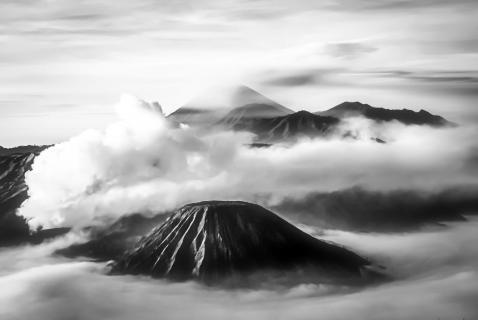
[406, 116]
[284, 128]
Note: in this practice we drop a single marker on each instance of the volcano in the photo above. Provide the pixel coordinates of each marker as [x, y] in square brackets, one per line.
[232, 102]
[14, 229]
[13, 191]
[217, 240]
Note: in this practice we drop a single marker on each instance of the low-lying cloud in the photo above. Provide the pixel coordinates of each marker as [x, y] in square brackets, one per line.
[145, 164]
[359, 209]
[435, 271]
[349, 50]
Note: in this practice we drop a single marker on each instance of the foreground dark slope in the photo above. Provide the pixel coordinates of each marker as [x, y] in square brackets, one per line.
[216, 240]
[13, 191]
[14, 162]
[406, 116]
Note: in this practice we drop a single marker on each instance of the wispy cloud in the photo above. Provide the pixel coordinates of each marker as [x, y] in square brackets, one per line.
[398, 4]
[348, 50]
[457, 76]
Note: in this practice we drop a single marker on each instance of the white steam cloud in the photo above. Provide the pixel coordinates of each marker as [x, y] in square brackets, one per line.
[144, 163]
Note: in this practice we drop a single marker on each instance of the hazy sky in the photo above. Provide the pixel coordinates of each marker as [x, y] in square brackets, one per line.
[64, 63]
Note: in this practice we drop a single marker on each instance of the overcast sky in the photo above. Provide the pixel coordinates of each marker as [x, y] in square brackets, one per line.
[63, 64]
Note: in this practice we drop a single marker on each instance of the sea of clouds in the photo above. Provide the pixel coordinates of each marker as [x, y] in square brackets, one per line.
[145, 163]
[435, 277]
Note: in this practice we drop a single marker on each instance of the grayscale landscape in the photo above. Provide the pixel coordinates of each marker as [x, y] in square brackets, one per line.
[238, 159]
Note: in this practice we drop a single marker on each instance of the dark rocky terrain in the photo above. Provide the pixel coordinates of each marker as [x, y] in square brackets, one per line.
[14, 162]
[13, 191]
[406, 116]
[29, 149]
[217, 240]
[283, 128]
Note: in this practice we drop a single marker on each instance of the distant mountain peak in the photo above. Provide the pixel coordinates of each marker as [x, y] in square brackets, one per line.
[26, 149]
[216, 103]
[228, 97]
[244, 95]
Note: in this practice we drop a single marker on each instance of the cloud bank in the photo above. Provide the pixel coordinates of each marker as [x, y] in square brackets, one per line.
[364, 210]
[143, 163]
[435, 270]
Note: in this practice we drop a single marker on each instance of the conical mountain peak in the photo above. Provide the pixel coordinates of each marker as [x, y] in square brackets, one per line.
[213, 240]
[215, 103]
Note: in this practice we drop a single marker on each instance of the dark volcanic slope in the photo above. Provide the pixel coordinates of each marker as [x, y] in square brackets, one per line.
[14, 162]
[22, 150]
[406, 116]
[212, 240]
[288, 127]
[13, 191]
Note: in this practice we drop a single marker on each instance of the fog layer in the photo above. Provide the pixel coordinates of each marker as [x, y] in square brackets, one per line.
[143, 163]
[435, 271]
